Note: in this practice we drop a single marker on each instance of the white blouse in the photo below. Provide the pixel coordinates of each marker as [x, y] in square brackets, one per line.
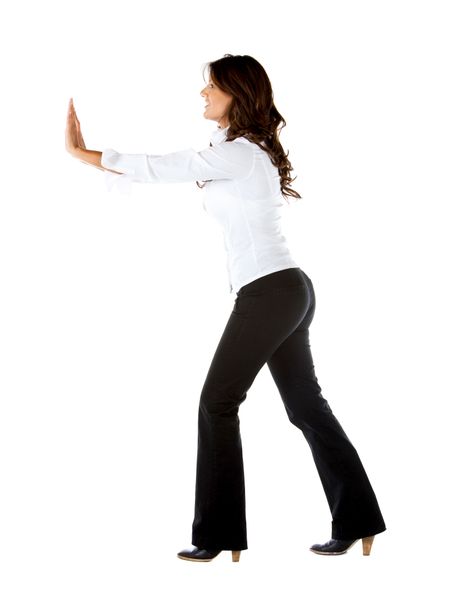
[241, 191]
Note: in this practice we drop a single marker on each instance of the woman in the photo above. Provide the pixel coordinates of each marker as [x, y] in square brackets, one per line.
[244, 174]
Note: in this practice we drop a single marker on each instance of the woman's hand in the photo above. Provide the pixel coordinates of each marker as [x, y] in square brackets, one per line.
[74, 138]
[75, 142]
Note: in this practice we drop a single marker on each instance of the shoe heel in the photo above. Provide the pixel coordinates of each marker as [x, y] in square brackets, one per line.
[235, 555]
[367, 542]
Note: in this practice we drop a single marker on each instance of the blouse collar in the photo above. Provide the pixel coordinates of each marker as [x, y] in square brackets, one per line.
[218, 135]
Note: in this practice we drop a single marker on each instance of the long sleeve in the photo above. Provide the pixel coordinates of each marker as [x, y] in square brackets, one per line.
[227, 160]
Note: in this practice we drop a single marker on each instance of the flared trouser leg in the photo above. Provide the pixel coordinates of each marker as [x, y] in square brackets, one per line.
[269, 324]
[354, 507]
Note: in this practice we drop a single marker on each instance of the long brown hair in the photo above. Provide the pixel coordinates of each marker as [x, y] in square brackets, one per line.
[252, 112]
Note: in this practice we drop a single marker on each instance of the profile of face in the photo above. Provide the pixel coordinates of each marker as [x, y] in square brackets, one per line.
[217, 104]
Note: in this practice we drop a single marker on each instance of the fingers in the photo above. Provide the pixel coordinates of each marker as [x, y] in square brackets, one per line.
[73, 126]
[71, 109]
[71, 113]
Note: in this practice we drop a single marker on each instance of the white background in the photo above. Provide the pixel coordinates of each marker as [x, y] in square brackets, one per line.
[112, 305]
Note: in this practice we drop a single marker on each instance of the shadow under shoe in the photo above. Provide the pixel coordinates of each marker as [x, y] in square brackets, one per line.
[339, 546]
[197, 554]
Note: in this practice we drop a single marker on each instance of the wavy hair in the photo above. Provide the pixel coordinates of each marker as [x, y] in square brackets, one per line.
[252, 112]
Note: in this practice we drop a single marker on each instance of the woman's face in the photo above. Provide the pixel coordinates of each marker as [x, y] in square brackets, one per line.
[217, 104]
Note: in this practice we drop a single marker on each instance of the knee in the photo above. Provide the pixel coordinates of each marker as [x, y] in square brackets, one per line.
[306, 412]
[220, 402]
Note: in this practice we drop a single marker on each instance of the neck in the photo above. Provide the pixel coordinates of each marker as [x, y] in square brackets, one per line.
[222, 124]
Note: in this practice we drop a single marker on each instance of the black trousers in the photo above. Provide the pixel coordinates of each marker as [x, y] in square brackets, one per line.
[269, 324]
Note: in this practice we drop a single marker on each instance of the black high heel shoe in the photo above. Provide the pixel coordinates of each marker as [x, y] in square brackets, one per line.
[339, 546]
[197, 554]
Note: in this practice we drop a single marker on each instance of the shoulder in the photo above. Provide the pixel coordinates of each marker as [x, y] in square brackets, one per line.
[235, 155]
[239, 149]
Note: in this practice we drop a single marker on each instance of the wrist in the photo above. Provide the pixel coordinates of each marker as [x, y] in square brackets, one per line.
[77, 152]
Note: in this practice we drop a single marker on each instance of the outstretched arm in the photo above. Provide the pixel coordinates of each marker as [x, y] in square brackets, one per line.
[226, 160]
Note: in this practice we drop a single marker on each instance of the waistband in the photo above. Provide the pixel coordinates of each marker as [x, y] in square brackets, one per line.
[281, 278]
